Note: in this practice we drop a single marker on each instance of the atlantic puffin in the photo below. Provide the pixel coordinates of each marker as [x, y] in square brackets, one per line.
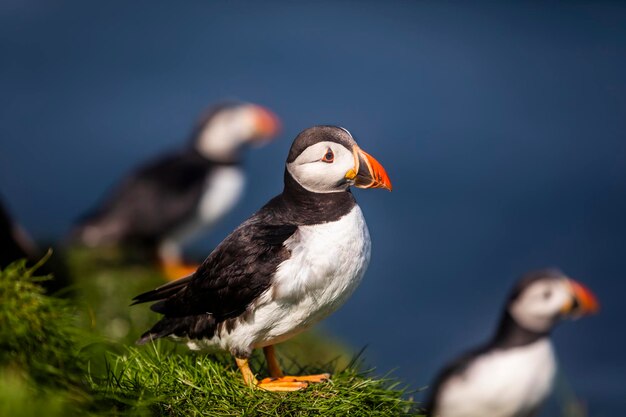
[170, 200]
[15, 243]
[513, 374]
[285, 268]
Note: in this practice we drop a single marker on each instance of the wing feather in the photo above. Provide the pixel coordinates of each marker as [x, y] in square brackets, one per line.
[151, 201]
[238, 271]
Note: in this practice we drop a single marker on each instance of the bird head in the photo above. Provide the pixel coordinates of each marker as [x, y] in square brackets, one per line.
[326, 159]
[543, 298]
[226, 128]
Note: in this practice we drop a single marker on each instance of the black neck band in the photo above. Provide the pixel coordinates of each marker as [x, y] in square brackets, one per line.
[510, 334]
[314, 208]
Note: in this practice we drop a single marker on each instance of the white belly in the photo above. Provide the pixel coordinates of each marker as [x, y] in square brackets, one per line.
[222, 190]
[326, 265]
[506, 383]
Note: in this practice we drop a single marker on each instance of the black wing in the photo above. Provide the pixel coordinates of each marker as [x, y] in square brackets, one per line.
[533, 412]
[151, 201]
[455, 368]
[226, 284]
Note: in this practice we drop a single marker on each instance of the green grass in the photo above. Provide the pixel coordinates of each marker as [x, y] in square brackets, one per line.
[64, 357]
[160, 381]
[40, 363]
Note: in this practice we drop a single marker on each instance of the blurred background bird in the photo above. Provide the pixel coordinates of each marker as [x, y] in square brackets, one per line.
[14, 241]
[513, 374]
[17, 244]
[166, 202]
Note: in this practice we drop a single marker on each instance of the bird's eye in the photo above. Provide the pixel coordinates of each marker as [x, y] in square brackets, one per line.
[329, 156]
[547, 294]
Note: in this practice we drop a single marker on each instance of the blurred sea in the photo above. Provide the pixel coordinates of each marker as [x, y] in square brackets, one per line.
[501, 125]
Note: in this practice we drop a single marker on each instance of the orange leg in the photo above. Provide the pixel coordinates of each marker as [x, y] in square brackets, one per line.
[272, 363]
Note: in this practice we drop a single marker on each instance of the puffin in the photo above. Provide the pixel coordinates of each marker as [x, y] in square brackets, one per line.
[14, 241]
[513, 374]
[288, 266]
[170, 200]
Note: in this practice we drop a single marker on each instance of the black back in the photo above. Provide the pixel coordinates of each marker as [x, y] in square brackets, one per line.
[153, 200]
[158, 196]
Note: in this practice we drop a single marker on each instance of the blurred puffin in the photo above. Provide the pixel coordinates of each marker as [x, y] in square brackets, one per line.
[287, 267]
[513, 374]
[14, 241]
[168, 201]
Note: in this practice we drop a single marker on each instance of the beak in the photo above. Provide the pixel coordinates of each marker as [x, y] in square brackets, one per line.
[266, 123]
[582, 303]
[367, 171]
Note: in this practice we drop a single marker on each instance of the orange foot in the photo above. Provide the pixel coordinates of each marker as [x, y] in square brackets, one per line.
[175, 270]
[281, 384]
[302, 378]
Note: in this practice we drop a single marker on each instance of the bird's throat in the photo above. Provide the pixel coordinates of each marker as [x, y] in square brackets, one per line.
[313, 208]
[511, 334]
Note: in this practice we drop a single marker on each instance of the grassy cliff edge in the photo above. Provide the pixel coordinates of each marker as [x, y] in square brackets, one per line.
[59, 356]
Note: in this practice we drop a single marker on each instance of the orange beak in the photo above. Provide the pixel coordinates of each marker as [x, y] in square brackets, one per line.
[367, 171]
[583, 301]
[266, 123]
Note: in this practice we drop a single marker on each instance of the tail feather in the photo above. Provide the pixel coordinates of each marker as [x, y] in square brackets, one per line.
[194, 327]
[180, 326]
[162, 328]
[163, 292]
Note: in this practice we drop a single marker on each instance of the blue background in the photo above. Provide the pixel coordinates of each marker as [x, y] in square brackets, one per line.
[501, 125]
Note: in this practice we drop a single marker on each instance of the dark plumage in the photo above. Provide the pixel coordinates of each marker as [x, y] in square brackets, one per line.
[312, 136]
[241, 267]
[13, 242]
[16, 244]
[153, 201]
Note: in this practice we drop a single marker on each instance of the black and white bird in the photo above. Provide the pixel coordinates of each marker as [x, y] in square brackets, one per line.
[14, 241]
[168, 201]
[16, 244]
[290, 265]
[513, 374]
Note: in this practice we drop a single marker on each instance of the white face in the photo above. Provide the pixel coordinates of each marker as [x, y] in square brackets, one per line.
[322, 167]
[227, 131]
[540, 305]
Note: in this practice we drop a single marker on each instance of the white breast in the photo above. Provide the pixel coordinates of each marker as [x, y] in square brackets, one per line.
[326, 259]
[222, 190]
[503, 383]
[326, 264]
